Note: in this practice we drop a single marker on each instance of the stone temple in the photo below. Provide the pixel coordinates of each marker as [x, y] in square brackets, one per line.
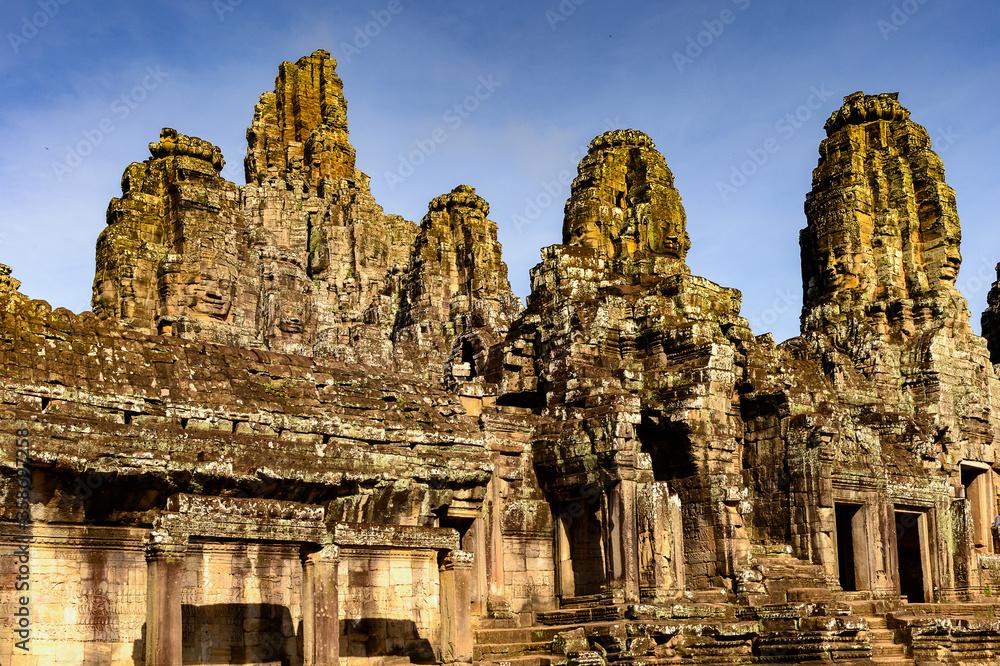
[296, 429]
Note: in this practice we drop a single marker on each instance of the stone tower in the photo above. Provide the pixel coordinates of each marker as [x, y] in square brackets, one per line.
[882, 241]
[624, 204]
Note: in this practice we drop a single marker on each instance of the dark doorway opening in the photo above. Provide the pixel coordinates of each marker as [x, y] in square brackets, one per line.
[581, 544]
[910, 556]
[847, 516]
[587, 548]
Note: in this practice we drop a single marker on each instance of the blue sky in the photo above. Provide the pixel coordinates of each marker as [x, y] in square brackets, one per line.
[84, 87]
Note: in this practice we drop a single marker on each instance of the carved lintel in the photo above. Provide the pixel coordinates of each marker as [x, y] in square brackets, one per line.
[163, 544]
[328, 554]
[458, 559]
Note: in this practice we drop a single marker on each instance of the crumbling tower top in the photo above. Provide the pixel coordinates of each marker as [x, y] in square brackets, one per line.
[882, 238]
[299, 131]
[624, 203]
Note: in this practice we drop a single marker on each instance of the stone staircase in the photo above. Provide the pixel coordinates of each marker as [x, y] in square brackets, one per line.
[794, 618]
[885, 649]
[787, 613]
[510, 645]
[782, 578]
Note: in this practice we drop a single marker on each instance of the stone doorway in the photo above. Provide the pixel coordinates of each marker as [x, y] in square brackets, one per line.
[979, 495]
[583, 565]
[852, 547]
[911, 555]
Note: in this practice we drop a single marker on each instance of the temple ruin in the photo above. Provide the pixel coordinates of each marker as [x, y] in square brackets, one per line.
[299, 430]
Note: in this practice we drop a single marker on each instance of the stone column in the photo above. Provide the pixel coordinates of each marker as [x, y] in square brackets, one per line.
[494, 540]
[624, 542]
[164, 568]
[320, 615]
[456, 617]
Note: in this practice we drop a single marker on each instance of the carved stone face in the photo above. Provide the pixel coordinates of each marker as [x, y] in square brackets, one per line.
[665, 228]
[106, 298]
[589, 236]
[668, 238]
[952, 260]
[214, 295]
[290, 322]
[289, 311]
[840, 272]
[949, 272]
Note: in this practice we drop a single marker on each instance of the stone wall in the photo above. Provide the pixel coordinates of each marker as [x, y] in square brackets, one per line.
[337, 435]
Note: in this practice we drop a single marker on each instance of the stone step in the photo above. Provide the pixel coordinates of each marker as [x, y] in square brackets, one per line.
[516, 635]
[808, 594]
[581, 615]
[483, 651]
[782, 570]
[876, 623]
[525, 660]
[712, 595]
[485, 623]
[759, 550]
[954, 609]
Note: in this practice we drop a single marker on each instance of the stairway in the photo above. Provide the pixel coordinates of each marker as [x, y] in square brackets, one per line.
[787, 579]
[885, 649]
[515, 646]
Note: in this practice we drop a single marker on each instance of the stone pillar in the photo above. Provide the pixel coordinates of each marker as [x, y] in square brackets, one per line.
[480, 589]
[624, 542]
[494, 540]
[320, 616]
[456, 618]
[164, 568]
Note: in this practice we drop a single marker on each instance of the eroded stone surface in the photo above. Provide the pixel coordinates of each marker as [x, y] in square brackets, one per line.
[291, 412]
[624, 203]
[882, 243]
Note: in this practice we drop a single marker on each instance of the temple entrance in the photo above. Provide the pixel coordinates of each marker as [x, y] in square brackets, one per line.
[582, 570]
[979, 497]
[852, 545]
[910, 546]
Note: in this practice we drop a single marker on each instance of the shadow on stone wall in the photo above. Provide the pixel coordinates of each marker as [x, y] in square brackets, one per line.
[236, 634]
[378, 637]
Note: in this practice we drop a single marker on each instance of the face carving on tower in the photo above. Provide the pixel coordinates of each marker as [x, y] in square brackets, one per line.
[214, 296]
[841, 270]
[623, 202]
[105, 299]
[940, 240]
[882, 228]
[666, 235]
